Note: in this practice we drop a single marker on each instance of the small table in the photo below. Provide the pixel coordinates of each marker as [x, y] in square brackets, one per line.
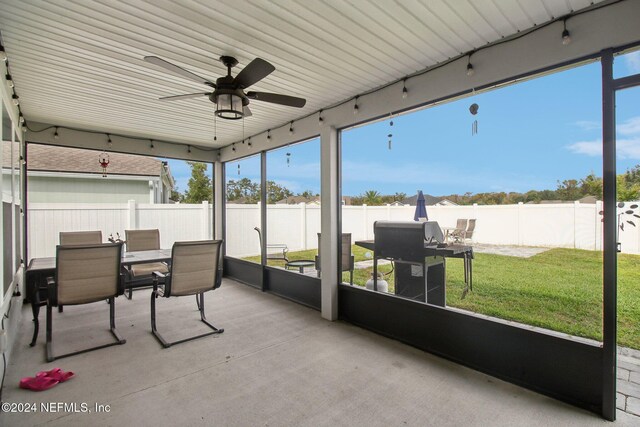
[300, 264]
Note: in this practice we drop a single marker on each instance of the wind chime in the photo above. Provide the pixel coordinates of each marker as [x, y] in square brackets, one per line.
[288, 157]
[390, 135]
[103, 160]
[473, 109]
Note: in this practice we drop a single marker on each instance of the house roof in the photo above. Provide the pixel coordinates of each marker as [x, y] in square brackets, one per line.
[294, 200]
[62, 159]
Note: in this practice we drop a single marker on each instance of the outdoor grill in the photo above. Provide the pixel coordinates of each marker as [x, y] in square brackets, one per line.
[419, 272]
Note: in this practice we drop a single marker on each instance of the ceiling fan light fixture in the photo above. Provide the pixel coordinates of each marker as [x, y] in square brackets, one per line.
[229, 106]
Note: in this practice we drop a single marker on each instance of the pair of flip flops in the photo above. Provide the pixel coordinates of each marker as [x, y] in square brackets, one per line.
[46, 379]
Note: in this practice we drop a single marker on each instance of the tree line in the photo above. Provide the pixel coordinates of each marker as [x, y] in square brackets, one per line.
[200, 188]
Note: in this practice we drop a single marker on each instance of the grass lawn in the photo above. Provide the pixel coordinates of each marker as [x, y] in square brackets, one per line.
[560, 289]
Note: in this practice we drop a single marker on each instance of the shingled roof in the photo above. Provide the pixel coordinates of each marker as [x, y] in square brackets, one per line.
[52, 158]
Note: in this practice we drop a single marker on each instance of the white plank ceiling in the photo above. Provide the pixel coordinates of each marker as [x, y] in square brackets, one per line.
[79, 63]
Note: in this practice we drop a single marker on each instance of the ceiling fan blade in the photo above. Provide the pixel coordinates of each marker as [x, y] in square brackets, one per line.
[257, 70]
[188, 95]
[246, 111]
[275, 98]
[177, 70]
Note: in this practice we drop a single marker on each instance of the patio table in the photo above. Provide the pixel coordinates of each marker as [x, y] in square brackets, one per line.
[41, 268]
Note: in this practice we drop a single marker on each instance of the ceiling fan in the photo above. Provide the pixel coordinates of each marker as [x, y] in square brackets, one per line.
[228, 94]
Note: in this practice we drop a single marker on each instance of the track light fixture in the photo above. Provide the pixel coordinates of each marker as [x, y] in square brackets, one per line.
[566, 36]
[9, 80]
[405, 92]
[355, 106]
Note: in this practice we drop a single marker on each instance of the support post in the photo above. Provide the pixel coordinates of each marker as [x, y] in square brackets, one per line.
[329, 194]
[610, 230]
[263, 217]
[218, 200]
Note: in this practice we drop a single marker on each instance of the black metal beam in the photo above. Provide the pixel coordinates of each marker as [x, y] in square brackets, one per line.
[263, 218]
[610, 246]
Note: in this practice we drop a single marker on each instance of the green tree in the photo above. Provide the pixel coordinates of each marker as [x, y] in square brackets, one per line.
[176, 195]
[244, 189]
[569, 190]
[591, 185]
[372, 198]
[276, 192]
[200, 187]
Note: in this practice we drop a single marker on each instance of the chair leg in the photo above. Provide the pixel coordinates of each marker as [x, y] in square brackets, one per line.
[112, 326]
[165, 343]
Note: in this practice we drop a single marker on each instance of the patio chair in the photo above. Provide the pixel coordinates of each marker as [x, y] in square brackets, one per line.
[141, 275]
[278, 250]
[85, 274]
[457, 234]
[195, 269]
[347, 259]
[80, 237]
[468, 233]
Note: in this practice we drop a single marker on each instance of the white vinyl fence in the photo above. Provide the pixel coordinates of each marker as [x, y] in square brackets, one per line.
[175, 222]
[572, 225]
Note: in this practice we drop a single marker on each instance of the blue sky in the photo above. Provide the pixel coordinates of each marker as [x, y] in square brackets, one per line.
[530, 135]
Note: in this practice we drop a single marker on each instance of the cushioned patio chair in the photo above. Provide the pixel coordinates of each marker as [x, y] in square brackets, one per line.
[195, 269]
[468, 233]
[141, 275]
[85, 274]
[347, 259]
[457, 234]
[274, 250]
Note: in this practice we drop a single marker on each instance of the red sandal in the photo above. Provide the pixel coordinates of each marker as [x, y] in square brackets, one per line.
[38, 383]
[56, 374]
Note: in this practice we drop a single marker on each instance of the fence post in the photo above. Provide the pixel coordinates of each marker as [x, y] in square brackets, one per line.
[303, 225]
[206, 224]
[132, 223]
[364, 221]
[520, 207]
[575, 223]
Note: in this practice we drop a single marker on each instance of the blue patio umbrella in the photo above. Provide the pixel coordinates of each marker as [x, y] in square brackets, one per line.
[421, 208]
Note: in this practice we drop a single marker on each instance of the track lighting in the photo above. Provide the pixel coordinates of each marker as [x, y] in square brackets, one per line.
[355, 107]
[9, 80]
[55, 134]
[291, 128]
[16, 99]
[566, 37]
[405, 92]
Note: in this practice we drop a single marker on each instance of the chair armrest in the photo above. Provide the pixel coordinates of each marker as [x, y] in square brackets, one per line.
[159, 275]
[52, 291]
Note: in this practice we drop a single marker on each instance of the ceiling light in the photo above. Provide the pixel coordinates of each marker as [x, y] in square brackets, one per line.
[268, 135]
[291, 128]
[229, 106]
[566, 37]
[355, 107]
[9, 81]
[405, 92]
[3, 54]
[16, 99]
[470, 70]
[55, 134]
[320, 119]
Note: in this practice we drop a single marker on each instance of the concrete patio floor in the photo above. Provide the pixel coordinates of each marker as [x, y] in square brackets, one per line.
[277, 363]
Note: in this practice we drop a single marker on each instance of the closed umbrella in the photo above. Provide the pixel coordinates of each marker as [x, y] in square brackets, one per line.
[421, 209]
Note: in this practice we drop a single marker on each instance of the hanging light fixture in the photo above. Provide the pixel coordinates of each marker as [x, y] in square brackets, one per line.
[9, 80]
[3, 54]
[249, 142]
[268, 135]
[566, 37]
[55, 134]
[405, 92]
[291, 128]
[355, 106]
[16, 99]
[229, 105]
[320, 119]
[109, 143]
[151, 146]
[470, 70]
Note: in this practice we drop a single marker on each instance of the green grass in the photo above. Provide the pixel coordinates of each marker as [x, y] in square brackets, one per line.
[560, 289]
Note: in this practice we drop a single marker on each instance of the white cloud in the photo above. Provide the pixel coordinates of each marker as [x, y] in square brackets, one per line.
[589, 124]
[633, 61]
[627, 148]
[630, 126]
